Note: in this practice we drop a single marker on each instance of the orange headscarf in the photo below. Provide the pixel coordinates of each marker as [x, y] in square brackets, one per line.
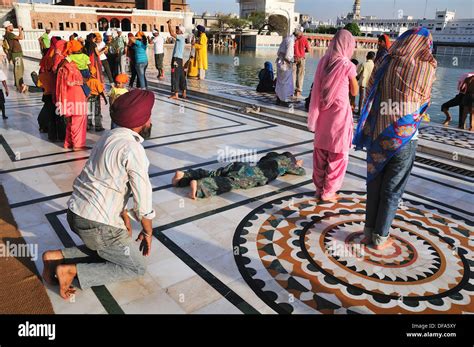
[140, 34]
[387, 40]
[121, 78]
[74, 46]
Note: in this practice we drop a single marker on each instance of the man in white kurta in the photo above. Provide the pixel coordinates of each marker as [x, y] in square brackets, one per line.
[284, 87]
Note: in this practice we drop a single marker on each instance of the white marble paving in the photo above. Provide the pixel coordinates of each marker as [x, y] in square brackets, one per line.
[170, 285]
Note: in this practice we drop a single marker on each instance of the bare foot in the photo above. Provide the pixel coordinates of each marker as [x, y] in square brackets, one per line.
[317, 196]
[177, 177]
[193, 185]
[65, 275]
[367, 240]
[332, 198]
[446, 122]
[51, 259]
[174, 96]
[384, 245]
[184, 96]
[299, 163]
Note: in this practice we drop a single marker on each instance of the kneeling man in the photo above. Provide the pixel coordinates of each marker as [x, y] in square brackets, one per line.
[97, 213]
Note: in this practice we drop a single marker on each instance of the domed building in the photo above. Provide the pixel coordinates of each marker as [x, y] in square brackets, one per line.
[282, 8]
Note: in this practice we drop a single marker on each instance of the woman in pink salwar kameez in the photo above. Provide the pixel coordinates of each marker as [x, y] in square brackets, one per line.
[330, 115]
[72, 103]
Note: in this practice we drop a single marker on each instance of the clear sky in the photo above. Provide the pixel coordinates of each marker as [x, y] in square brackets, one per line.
[330, 9]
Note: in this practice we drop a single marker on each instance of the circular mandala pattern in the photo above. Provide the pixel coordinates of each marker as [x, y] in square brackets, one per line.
[301, 256]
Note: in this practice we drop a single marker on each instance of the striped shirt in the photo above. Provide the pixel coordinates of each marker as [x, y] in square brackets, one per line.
[117, 167]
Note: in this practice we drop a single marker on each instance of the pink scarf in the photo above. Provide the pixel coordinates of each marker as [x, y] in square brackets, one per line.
[59, 48]
[330, 75]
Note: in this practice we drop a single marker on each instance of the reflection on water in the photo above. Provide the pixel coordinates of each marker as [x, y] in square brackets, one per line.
[243, 68]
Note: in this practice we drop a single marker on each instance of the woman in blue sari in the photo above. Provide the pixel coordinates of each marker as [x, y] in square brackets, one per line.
[398, 95]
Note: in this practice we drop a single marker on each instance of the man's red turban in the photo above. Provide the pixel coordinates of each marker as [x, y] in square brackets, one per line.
[133, 109]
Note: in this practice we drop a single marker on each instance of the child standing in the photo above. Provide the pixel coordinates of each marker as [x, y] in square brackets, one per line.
[118, 89]
[94, 109]
[3, 78]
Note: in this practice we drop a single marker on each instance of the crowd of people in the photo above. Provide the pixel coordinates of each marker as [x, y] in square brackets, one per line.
[291, 61]
[394, 84]
[76, 75]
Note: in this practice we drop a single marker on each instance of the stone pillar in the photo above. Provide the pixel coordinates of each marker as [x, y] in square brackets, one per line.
[153, 5]
[23, 16]
[188, 21]
[6, 4]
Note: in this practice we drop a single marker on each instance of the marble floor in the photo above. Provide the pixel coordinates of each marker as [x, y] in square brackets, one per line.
[264, 250]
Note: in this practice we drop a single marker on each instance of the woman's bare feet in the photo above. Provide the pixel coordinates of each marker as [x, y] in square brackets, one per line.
[177, 177]
[193, 184]
[51, 259]
[332, 198]
[184, 95]
[384, 245]
[317, 196]
[65, 275]
[174, 96]
[299, 163]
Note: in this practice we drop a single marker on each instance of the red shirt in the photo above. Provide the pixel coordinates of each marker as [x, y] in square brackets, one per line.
[301, 47]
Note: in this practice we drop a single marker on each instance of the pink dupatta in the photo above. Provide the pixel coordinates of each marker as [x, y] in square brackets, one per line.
[330, 74]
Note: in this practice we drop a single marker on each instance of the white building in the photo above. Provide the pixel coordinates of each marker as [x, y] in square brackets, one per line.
[444, 27]
[285, 8]
[314, 24]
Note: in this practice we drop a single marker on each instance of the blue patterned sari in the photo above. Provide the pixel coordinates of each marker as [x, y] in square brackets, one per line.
[383, 144]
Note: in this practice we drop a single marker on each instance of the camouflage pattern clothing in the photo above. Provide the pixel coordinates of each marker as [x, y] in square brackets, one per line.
[239, 175]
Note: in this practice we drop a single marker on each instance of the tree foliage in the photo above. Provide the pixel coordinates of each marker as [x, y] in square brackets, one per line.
[228, 21]
[258, 20]
[323, 29]
[353, 28]
[278, 24]
[272, 23]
